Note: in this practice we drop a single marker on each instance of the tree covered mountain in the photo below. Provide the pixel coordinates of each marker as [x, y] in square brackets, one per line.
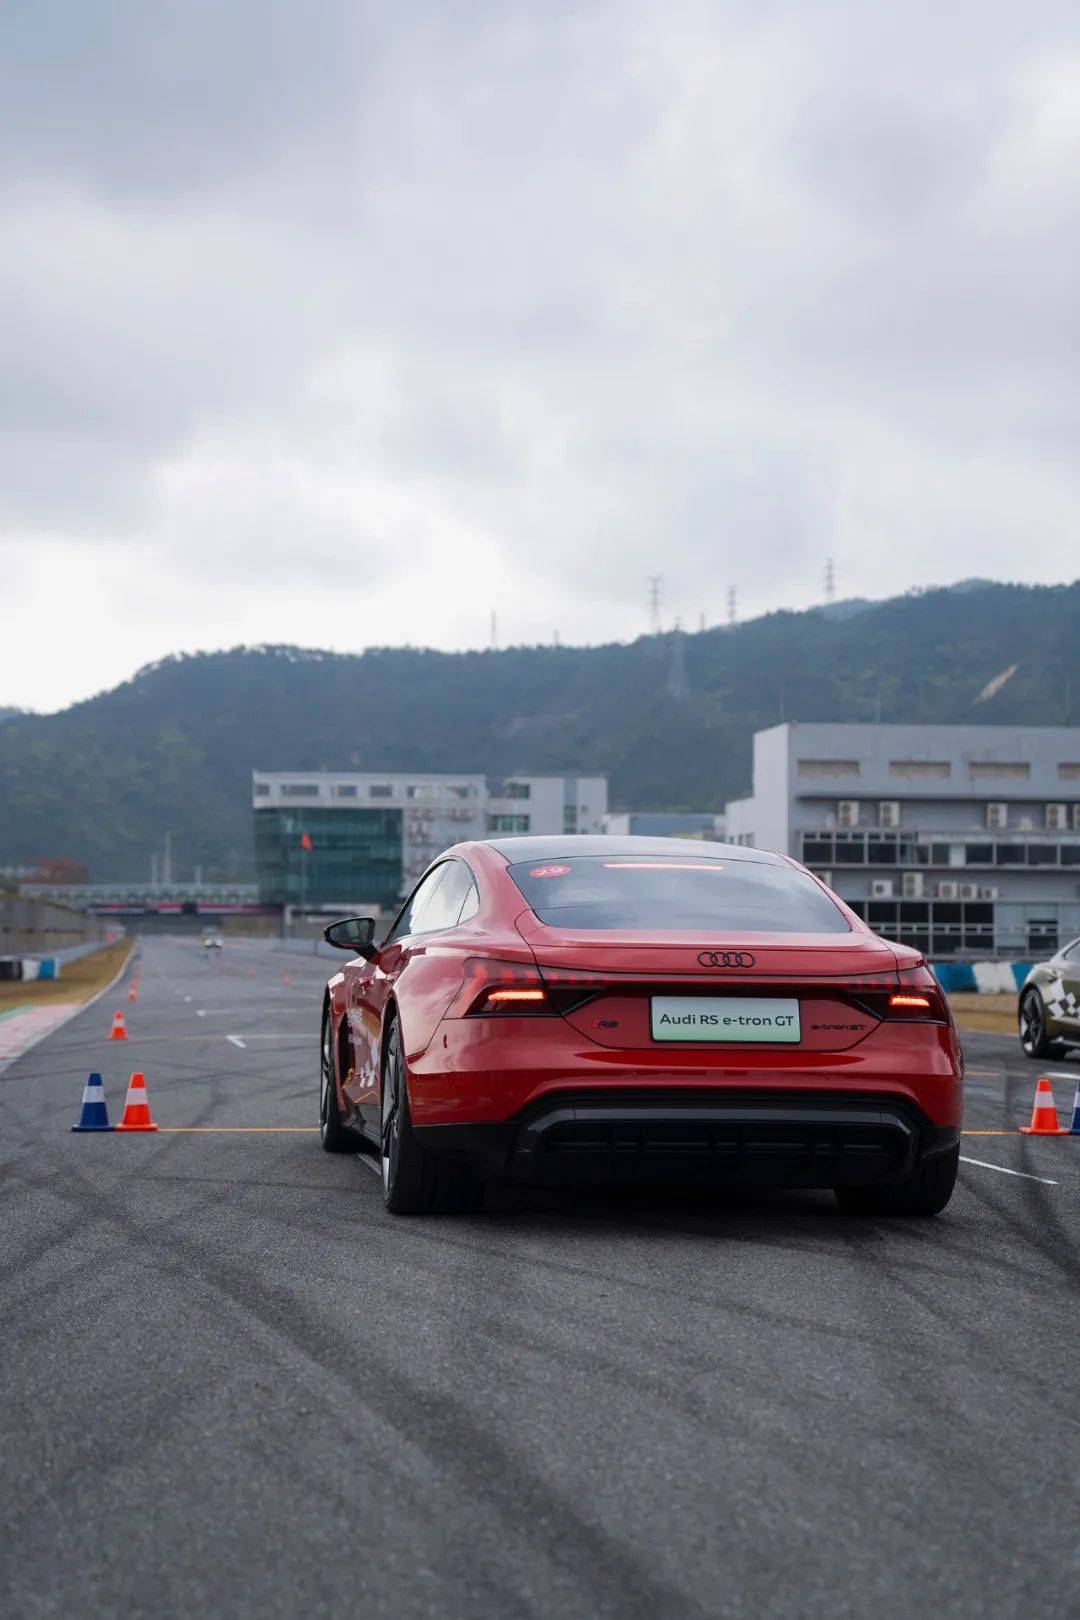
[669, 718]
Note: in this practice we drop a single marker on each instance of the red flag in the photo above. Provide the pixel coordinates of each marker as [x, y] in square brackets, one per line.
[305, 842]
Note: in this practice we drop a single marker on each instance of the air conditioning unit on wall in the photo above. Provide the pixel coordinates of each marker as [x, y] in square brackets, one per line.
[881, 888]
[969, 891]
[889, 813]
[948, 890]
[912, 885]
[847, 813]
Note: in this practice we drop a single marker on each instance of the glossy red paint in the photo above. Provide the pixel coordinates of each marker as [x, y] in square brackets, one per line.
[485, 1070]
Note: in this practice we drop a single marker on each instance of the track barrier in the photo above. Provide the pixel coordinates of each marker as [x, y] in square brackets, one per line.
[1074, 1128]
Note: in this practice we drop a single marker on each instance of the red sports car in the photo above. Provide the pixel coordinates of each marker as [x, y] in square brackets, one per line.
[632, 1008]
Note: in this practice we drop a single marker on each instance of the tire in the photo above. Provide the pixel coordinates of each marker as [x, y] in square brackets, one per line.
[416, 1181]
[336, 1137]
[1034, 1041]
[924, 1193]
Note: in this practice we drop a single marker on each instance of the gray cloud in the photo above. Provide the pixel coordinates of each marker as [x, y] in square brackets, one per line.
[533, 301]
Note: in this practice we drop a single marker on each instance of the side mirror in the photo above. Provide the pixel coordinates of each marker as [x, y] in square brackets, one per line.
[354, 934]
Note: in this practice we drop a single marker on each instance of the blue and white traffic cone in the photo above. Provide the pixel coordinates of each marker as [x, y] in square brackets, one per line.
[1074, 1128]
[94, 1116]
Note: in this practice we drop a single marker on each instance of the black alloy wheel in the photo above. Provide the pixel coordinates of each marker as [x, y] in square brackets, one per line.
[926, 1192]
[335, 1137]
[1033, 1037]
[415, 1180]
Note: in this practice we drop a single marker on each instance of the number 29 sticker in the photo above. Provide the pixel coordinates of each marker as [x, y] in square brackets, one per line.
[548, 871]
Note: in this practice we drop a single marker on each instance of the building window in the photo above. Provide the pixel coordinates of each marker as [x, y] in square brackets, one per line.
[983, 770]
[262, 790]
[507, 824]
[466, 792]
[569, 818]
[939, 769]
[829, 767]
[299, 790]
[1069, 770]
[380, 790]
[517, 790]
[346, 790]
[355, 859]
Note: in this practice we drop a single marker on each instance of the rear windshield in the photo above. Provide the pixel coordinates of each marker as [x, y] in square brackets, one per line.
[653, 893]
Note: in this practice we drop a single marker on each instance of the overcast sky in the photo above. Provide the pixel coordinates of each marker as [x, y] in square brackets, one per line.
[343, 323]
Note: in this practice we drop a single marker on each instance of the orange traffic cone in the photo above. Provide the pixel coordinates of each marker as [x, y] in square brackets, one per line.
[133, 994]
[286, 978]
[1044, 1120]
[136, 1108]
[119, 1028]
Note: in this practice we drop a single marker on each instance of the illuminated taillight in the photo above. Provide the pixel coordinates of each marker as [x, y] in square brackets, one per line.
[919, 998]
[493, 989]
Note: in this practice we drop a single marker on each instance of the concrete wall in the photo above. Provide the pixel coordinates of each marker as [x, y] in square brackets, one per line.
[43, 928]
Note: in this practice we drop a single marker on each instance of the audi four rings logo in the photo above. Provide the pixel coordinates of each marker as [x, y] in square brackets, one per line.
[741, 959]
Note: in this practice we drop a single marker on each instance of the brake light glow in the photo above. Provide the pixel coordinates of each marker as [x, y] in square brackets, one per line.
[663, 866]
[516, 995]
[921, 1002]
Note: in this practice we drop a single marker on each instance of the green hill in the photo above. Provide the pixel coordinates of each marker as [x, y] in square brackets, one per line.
[669, 718]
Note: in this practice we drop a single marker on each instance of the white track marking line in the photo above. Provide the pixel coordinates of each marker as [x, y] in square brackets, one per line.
[236, 1041]
[1059, 1074]
[1000, 1167]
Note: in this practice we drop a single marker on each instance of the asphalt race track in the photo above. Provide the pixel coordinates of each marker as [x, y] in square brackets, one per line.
[234, 1386]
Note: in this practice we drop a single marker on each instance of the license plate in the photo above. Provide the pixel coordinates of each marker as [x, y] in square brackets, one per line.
[724, 1018]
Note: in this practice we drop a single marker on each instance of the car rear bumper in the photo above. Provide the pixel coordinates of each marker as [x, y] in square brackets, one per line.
[742, 1138]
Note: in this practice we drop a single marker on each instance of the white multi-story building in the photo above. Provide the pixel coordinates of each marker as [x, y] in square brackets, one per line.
[960, 840]
[372, 833]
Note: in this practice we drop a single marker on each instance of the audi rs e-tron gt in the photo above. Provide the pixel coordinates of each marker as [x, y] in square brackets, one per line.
[590, 1008]
[1050, 1005]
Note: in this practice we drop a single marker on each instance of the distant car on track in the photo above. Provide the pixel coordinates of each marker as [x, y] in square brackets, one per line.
[1049, 1004]
[594, 1008]
[213, 942]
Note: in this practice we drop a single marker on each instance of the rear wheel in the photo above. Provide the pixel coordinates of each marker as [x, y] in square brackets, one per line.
[336, 1137]
[416, 1181]
[924, 1193]
[1034, 1040]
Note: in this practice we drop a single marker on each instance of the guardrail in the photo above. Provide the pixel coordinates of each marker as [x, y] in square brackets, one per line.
[983, 978]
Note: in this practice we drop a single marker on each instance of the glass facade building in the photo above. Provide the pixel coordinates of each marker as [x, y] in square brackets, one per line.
[355, 856]
[374, 834]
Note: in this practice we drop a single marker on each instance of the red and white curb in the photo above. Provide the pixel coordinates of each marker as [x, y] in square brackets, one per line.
[25, 1026]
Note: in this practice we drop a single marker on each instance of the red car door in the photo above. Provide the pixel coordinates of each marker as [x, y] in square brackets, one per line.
[434, 904]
